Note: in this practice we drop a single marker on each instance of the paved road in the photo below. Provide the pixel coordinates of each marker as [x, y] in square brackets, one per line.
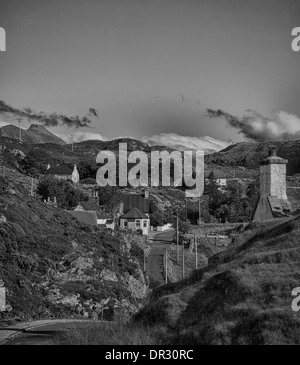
[155, 265]
[37, 332]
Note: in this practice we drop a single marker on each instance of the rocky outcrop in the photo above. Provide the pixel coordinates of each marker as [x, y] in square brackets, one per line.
[53, 266]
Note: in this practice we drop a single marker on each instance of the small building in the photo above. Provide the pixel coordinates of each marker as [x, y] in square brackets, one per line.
[105, 221]
[86, 217]
[135, 220]
[103, 218]
[64, 173]
[219, 175]
[86, 206]
[134, 212]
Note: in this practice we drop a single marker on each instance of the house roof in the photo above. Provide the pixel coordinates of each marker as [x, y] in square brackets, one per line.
[218, 174]
[136, 201]
[134, 213]
[59, 170]
[86, 217]
[89, 206]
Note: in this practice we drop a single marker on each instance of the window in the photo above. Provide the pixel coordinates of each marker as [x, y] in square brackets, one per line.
[145, 224]
[125, 224]
[137, 223]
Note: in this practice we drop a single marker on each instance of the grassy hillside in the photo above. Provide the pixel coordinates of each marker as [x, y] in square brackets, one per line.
[54, 266]
[249, 154]
[242, 297]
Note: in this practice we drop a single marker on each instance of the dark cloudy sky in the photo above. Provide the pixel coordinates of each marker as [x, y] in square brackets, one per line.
[66, 56]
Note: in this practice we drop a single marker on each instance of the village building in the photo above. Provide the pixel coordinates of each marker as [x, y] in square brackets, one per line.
[103, 219]
[134, 213]
[219, 176]
[64, 173]
[87, 217]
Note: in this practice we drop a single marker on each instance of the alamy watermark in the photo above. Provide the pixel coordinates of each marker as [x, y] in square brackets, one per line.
[296, 40]
[2, 40]
[165, 169]
[296, 301]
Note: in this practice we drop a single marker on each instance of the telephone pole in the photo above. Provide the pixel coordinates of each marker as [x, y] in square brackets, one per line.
[166, 266]
[177, 239]
[199, 222]
[196, 251]
[31, 188]
[20, 133]
[183, 240]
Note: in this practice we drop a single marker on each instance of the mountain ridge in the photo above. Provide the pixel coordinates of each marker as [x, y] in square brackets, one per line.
[33, 135]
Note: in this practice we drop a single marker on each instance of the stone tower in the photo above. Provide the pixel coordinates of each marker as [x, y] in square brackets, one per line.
[273, 200]
[273, 175]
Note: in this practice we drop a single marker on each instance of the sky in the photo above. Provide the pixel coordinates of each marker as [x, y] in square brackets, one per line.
[126, 58]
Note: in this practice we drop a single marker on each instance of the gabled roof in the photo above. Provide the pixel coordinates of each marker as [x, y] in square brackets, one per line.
[59, 170]
[85, 216]
[218, 174]
[89, 206]
[134, 213]
[136, 201]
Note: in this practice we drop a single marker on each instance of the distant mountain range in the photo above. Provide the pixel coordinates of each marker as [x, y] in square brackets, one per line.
[33, 135]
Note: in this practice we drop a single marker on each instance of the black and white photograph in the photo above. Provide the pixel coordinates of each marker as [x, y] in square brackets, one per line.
[149, 175]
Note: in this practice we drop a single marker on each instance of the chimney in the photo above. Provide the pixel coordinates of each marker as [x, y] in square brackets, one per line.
[146, 194]
[272, 151]
[121, 210]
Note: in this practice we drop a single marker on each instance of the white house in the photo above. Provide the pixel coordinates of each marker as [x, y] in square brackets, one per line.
[219, 176]
[135, 219]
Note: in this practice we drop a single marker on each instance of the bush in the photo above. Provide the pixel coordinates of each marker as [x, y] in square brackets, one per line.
[66, 194]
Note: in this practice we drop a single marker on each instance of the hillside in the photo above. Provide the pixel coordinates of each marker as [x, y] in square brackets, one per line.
[33, 135]
[54, 266]
[249, 154]
[244, 296]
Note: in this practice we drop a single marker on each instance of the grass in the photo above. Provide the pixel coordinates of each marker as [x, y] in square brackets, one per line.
[109, 334]
[242, 297]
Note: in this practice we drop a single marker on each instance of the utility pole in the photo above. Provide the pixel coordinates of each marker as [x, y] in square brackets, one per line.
[183, 240]
[177, 239]
[196, 251]
[31, 189]
[199, 210]
[166, 266]
[72, 143]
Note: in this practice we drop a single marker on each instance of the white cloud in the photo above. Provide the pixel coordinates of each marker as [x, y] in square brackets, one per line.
[176, 141]
[83, 136]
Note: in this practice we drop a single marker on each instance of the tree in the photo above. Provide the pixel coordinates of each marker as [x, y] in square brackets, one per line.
[35, 162]
[110, 197]
[67, 196]
[86, 170]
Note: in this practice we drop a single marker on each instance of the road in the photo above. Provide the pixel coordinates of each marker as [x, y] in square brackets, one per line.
[37, 332]
[155, 265]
